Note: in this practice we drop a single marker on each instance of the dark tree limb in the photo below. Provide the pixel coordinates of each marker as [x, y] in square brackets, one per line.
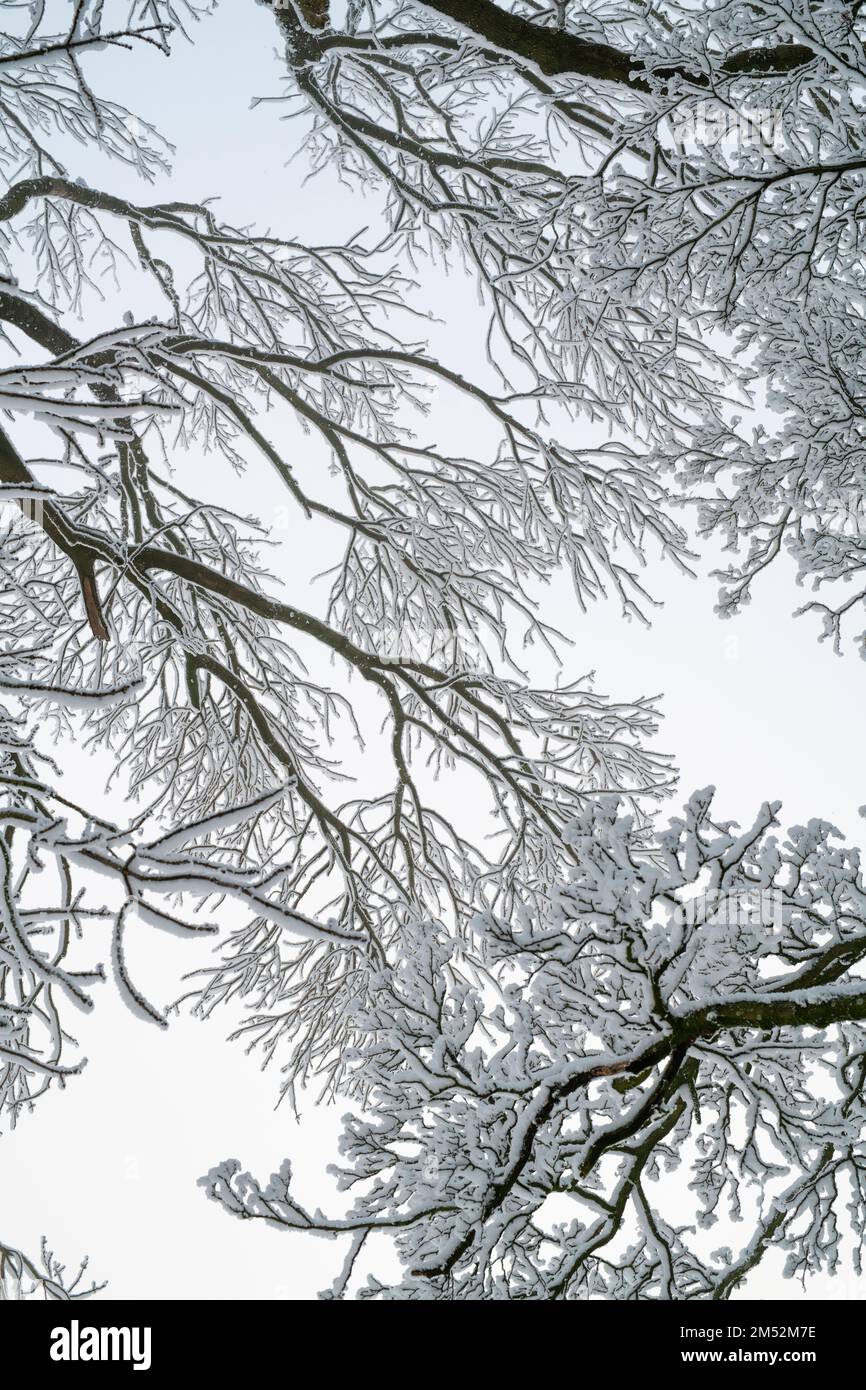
[553, 52]
[13, 470]
[557, 52]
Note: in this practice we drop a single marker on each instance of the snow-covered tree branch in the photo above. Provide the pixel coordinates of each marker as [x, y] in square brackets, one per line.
[46, 1279]
[123, 576]
[435, 882]
[642, 193]
[541, 1095]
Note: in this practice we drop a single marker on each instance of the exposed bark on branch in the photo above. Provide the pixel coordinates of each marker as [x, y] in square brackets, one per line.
[553, 52]
[315, 12]
[36, 324]
[13, 470]
[557, 52]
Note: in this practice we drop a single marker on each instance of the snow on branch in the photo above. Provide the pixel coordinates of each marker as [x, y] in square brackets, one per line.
[529, 1089]
[45, 1279]
[661, 209]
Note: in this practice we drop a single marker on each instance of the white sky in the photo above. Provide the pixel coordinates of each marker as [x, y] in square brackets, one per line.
[756, 706]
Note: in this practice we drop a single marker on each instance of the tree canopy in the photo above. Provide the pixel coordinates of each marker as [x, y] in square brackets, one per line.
[642, 191]
[438, 886]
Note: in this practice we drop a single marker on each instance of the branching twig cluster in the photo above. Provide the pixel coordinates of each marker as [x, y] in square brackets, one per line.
[695, 1011]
